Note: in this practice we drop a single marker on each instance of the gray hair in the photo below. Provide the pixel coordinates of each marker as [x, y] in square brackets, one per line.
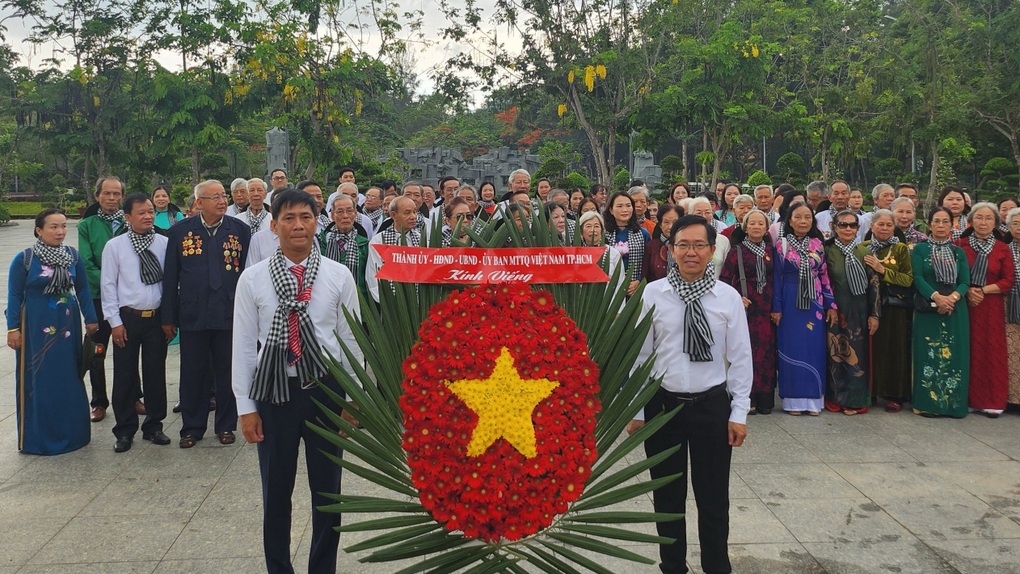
[239, 182]
[696, 201]
[747, 216]
[1011, 214]
[835, 219]
[817, 185]
[638, 190]
[517, 172]
[878, 189]
[340, 196]
[900, 200]
[742, 198]
[257, 180]
[347, 185]
[883, 213]
[474, 192]
[763, 186]
[204, 184]
[408, 185]
[556, 193]
[985, 205]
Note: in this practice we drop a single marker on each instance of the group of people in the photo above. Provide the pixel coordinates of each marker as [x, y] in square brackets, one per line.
[839, 307]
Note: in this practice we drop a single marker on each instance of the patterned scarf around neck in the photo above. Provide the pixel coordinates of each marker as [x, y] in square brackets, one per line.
[151, 270]
[875, 246]
[324, 220]
[635, 251]
[983, 248]
[270, 384]
[255, 221]
[343, 248]
[856, 276]
[670, 262]
[59, 258]
[943, 261]
[806, 292]
[698, 339]
[376, 216]
[758, 249]
[1013, 302]
[391, 236]
[111, 217]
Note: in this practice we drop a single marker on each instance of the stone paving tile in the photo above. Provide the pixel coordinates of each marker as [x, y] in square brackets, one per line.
[22, 538]
[250, 564]
[223, 535]
[763, 559]
[900, 556]
[22, 500]
[112, 538]
[857, 520]
[861, 447]
[785, 481]
[147, 496]
[111, 567]
[885, 481]
[980, 556]
[959, 518]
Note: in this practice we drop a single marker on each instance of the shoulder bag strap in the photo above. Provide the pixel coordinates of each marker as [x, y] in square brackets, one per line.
[740, 269]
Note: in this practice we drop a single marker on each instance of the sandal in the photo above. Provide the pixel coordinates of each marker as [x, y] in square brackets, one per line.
[188, 441]
[849, 412]
[226, 437]
[794, 413]
[814, 413]
[893, 407]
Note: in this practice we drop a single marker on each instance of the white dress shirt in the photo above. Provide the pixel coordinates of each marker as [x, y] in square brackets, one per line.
[824, 221]
[262, 246]
[255, 303]
[120, 281]
[731, 347]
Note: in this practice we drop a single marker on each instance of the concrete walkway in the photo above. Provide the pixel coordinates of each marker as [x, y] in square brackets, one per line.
[871, 493]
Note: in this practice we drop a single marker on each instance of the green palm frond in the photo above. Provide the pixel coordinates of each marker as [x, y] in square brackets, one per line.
[386, 332]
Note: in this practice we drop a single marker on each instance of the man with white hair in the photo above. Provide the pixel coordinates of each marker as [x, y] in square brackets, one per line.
[883, 194]
[238, 196]
[816, 191]
[351, 190]
[205, 256]
[413, 192]
[403, 230]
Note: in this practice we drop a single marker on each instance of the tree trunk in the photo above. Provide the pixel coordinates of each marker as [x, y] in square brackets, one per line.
[611, 153]
[929, 201]
[704, 147]
[196, 166]
[683, 158]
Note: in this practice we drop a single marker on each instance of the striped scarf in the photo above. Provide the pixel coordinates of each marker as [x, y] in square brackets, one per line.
[270, 384]
[758, 249]
[698, 339]
[875, 246]
[670, 262]
[943, 261]
[806, 292]
[1013, 302]
[376, 216]
[391, 236]
[855, 273]
[983, 248]
[255, 221]
[151, 270]
[343, 248]
[59, 258]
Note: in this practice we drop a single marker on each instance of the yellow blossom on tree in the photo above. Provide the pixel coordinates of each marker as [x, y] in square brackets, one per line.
[754, 51]
[570, 77]
[561, 109]
[589, 77]
[600, 70]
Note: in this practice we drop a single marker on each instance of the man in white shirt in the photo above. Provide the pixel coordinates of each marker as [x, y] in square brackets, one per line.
[404, 217]
[699, 332]
[132, 290]
[294, 291]
[362, 220]
[238, 196]
[839, 199]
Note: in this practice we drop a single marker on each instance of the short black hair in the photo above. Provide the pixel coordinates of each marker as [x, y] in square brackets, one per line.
[280, 169]
[343, 170]
[387, 184]
[293, 198]
[132, 200]
[443, 180]
[307, 183]
[689, 221]
[541, 179]
[40, 218]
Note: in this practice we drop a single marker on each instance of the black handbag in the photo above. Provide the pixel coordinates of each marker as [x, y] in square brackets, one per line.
[897, 296]
[922, 305]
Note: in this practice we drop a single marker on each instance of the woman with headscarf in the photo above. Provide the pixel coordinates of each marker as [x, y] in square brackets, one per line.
[889, 257]
[748, 269]
[991, 277]
[855, 288]
[941, 340]
[47, 295]
[802, 302]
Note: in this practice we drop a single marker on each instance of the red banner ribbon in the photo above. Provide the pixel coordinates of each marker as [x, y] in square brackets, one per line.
[472, 265]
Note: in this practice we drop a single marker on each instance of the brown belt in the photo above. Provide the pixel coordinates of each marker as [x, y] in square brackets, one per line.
[145, 313]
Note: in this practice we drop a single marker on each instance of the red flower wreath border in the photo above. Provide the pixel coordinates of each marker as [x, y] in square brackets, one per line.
[499, 494]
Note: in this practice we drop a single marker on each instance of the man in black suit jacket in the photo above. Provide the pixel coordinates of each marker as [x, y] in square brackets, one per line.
[204, 259]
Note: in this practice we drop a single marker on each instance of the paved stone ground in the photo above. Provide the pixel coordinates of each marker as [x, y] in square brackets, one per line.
[871, 493]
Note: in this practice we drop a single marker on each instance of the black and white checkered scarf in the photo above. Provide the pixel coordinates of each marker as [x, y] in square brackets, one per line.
[758, 249]
[350, 256]
[270, 384]
[856, 276]
[151, 270]
[255, 221]
[111, 217]
[943, 261]
[59, 258]
[376, 216]
[875, 246]
[983, 248]
[391, 236]
[1013, 301]
[635, 251]
[324, 220]
[698, 339]
[670, 262]
[806, 292]
[447, 235]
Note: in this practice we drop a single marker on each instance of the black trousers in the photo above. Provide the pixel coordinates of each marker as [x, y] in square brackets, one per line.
[145, 337]
[202, 351]
[283, 427]
[97, 376]
[702, 429]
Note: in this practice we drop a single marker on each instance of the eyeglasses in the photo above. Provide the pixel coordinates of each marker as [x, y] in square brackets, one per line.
[279, 177]
[697, 246]
[847, 225]
[466, 216]
[217, 198]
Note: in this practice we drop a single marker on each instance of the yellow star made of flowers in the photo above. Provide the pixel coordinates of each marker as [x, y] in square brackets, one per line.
[504, 403]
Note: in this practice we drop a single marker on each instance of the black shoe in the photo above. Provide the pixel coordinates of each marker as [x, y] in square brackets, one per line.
[123, 444]
[177, 407]
[157, 437]
[764, 411]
